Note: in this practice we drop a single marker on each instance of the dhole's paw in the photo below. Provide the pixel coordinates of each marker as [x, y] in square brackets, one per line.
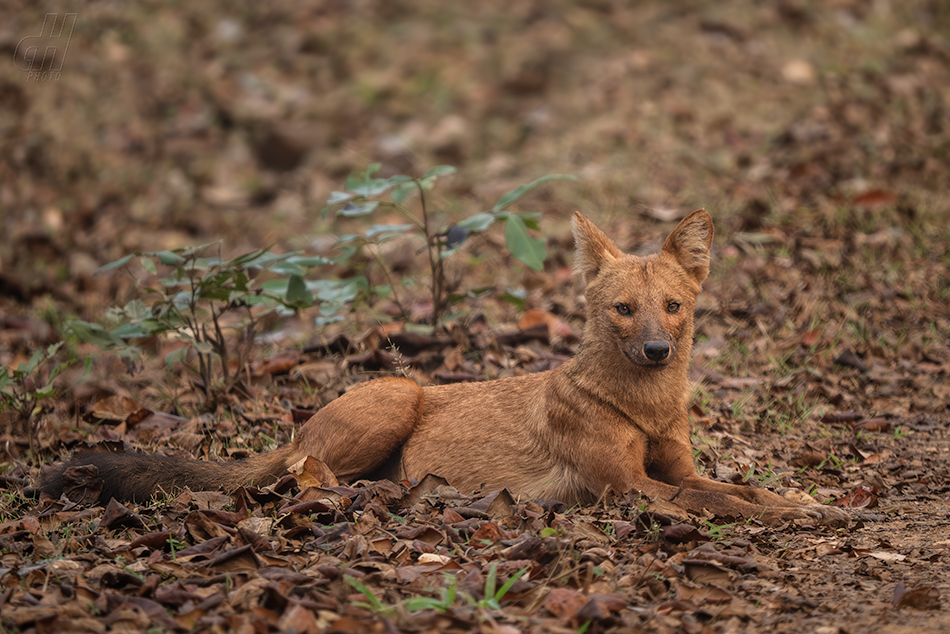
[832, 515]
[798, 497]
[773, 516]
[763, 497]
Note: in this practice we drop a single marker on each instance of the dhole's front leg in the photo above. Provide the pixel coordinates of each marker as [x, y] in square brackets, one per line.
[631, 475]
[672, 461]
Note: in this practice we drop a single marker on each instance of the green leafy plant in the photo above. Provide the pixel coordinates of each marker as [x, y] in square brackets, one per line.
[830, 460]
[719, 532]
[175, 545]
[371, 603]
[492, 598]
[654, 533]
[767, 477]
[192, 298]
[449, 596]
[194, 295]
[23, 389]
[363, 194]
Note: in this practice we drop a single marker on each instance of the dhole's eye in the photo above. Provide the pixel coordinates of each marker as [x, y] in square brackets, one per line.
[623, 309]
[672, 307]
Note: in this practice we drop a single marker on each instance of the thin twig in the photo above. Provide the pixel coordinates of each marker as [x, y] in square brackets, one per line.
[392, 284]
[678, 491]
[434, 249]
[221, 347]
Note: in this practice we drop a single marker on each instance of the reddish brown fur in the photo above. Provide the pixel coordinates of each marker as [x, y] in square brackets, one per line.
[613, 417]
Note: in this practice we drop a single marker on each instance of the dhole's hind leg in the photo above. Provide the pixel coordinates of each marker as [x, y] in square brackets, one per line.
[356, 434]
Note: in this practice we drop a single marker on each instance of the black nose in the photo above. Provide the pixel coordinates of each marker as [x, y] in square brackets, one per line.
[656, 350]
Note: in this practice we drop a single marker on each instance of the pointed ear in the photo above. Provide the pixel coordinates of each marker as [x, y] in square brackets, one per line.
[689, 243]
[593, 249]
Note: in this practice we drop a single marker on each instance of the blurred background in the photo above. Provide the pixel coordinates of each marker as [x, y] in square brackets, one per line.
[165, 125]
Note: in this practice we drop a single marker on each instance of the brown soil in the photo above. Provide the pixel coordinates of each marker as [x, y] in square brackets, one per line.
[817, 134]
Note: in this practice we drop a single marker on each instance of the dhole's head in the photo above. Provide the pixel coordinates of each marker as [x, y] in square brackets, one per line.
[642, 307]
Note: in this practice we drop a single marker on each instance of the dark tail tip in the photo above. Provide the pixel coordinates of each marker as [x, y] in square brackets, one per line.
[96, 476]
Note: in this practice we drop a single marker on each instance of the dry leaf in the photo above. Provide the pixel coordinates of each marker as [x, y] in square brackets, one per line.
[311, 472]
[117, 409]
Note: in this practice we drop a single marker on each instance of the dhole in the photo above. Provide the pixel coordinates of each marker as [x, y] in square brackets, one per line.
[613, 417]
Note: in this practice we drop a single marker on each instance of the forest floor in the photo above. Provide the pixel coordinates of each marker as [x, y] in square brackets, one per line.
[816, 134]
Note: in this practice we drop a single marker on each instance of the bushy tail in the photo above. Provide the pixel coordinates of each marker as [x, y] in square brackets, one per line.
[136, 477]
